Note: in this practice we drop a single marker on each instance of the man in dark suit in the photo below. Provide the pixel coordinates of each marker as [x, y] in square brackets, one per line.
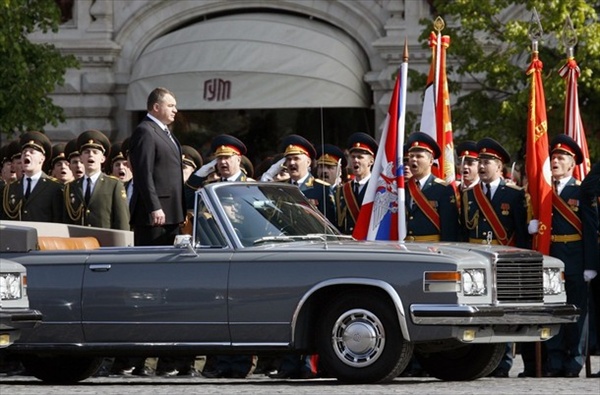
[96, 199]
[574, 241]
[35, 196]
[430, 201]
[362, 149]
[157, 206]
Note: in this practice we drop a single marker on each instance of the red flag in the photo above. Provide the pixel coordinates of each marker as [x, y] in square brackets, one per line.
[435, 115]
[573, 124]
[537, 158]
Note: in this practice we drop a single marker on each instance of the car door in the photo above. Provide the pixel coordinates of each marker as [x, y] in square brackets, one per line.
[156, 295]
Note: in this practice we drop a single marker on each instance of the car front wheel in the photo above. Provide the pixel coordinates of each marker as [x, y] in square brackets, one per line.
[467, 362]
[61, 369]
[360, 341]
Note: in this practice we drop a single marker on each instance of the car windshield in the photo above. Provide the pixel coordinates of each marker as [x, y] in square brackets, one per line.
[270, 212]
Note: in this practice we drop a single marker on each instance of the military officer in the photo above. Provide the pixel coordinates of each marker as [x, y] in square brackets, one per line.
[35, 196]
[117, 164]
[96, 199]
[74, 159]
[430, 201]
[299, 154]
[494, 211]
[468, 162]
[14, 153]
[574, 241]
[330, 162]
[8, 175]
[59, 165]
[192, 160]
[362, 149]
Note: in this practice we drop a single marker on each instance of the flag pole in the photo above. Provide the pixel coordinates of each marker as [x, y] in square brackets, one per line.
[400, 144]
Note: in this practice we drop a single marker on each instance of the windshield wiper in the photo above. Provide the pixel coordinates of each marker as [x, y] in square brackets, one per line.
[268, 239]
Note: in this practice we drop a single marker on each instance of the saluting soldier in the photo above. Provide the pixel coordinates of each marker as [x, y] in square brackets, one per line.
[35, 196]
[362, 149]
[330, 162]
[192, 160]
[227, 152]
[574, 241]
[299, 154]
[431, 209]
[96, 199]
[495, 211]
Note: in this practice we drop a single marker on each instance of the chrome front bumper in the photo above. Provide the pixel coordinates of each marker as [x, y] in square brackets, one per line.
[448, 314]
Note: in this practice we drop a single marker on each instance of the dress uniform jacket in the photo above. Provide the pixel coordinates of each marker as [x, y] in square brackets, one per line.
[45, 203]
[443, 199]
[320, 195]
[510, 206]
[345, 221]
[572, 253]
[107, 207]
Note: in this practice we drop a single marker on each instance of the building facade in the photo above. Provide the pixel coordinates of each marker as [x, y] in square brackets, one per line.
[246, 56]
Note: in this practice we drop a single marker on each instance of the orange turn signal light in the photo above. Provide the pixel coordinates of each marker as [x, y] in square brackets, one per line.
[442, 276]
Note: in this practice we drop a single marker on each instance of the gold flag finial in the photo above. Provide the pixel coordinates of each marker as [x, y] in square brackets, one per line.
[569, 36]
[439, 24]
[405, 54]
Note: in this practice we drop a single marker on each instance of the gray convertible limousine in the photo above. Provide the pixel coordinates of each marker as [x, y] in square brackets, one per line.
[264, 272]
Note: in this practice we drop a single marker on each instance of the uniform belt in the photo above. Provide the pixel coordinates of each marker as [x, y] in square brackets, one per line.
[565, 238]
[482, 241]
[423, 238]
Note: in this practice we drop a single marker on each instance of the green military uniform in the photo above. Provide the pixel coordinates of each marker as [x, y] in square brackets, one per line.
[107, 206]
[45, 203]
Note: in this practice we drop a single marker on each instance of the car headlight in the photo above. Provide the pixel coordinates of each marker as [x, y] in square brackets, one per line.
[10, 286]
[474, 282]
[553, 281]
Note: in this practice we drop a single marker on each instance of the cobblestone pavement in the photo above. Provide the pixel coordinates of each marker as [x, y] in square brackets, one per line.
[260, 384]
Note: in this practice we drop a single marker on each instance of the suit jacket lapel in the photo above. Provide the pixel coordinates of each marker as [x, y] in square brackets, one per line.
[163, 135]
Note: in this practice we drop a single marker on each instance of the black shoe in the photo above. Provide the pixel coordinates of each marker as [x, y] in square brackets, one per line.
[214, 374]
[570, 374]
[238, 375]
[188, 373]
[553, 373]
[499, 373]
[283, 374]
[167, 373]
[143, 372]
[595, 374]
[526, 374]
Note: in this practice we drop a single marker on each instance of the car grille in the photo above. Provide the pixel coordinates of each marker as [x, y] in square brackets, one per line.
[519, 278]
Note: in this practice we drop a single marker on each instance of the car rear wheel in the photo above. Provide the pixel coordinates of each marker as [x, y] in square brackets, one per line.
[60, 369]
[359, 339]
[468, 362]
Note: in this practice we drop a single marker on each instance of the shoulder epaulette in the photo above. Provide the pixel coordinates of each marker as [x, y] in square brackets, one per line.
[440, 181]
[577, 182]
[514, 186]
[319, 181]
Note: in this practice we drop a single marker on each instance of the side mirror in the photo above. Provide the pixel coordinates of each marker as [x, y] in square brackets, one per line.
[183, 241]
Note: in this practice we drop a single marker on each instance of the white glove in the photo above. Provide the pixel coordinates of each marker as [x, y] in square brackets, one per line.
[270, 174]
[589, 275]
[533, 226]
[205, 170]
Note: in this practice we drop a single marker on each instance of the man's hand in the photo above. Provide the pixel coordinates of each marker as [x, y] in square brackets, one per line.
[533, 226]
[589, 275]
[270, 174]
[205, 170]
[158, 217]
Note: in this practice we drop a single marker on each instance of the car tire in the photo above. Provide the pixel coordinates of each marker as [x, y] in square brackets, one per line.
[60, 369]
[467, 362]
[359, 339]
